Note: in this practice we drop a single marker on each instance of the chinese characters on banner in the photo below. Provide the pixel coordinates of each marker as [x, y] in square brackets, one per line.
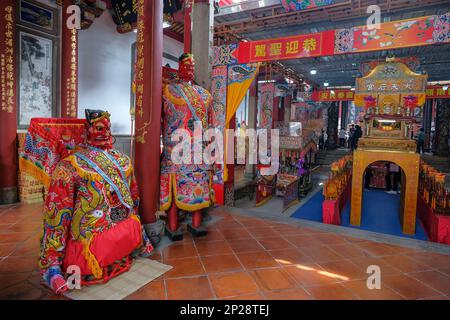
[140, 61]
[310, 45]
[437, 92]
[7, 62]
[391, 35]
[71, 80]
[433, 92]
[333, 95]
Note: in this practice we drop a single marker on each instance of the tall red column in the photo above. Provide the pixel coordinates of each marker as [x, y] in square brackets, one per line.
[8, 111]
[187, 24]
[148, 71]
[69, 66]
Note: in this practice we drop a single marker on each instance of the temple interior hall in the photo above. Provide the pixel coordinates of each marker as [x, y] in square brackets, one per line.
[224, 150]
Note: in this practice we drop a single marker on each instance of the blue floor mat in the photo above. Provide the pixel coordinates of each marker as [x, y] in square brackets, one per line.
[380, 213]
[312, 209]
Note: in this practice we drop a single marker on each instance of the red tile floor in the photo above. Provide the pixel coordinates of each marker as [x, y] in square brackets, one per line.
[245, 258]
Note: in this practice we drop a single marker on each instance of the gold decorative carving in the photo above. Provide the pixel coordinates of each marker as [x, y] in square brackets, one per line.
[409, 162]
[387, 144]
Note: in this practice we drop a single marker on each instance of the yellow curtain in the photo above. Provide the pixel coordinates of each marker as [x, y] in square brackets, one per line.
[240, 77]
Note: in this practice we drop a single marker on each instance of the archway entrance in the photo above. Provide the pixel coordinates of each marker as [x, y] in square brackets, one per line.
[409, 162]
[381, 207]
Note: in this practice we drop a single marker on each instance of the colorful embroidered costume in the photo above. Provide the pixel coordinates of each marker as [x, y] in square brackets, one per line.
[90, 218]
[189, 185]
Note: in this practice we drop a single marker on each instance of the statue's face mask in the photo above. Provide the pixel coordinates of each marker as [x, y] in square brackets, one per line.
[186, 69]
[98, 129]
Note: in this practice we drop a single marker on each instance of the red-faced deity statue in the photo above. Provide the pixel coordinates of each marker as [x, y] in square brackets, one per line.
[98, 129]
[186, 67]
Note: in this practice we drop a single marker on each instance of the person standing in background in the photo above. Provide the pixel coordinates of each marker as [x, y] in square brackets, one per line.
[351, 137]
[420, 140]
[356, 135]
[342, 135]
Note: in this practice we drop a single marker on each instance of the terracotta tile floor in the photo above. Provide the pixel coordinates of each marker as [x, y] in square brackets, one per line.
[245, 258]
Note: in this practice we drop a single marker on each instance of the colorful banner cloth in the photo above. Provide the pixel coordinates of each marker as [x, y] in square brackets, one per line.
[225, 55]
[265, 105]
[415, 32]
[219, 105]
[48, 141]
[298, 5]
[396, 34]
[240, 77]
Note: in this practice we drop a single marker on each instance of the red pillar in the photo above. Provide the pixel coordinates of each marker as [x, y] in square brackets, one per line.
[187, 25]
[69, 67]
[8, 111]
[148, 105]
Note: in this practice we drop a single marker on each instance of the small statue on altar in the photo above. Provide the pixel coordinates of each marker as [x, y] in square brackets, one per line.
[90, 217]
[300, 167]
[184, 186]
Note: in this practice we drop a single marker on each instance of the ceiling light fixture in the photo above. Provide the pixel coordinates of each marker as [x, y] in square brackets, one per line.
[326, 84]
[313, 71]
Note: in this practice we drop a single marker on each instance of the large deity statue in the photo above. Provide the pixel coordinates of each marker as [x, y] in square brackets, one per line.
[90, 218]
[188, 185]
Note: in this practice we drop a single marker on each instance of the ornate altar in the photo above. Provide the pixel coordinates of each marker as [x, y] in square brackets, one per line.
[296, 152]
[265, 186]
[434, 204]
[287, 187]
[392, 96]
[336, 190]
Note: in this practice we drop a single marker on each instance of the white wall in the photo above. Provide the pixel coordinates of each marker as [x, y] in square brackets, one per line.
[105, 70]
[174, 48]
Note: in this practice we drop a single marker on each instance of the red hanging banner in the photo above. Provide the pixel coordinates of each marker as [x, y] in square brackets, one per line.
[438, 92]
[301, 46]
[433, 92]
[414, 32]
[333, 95]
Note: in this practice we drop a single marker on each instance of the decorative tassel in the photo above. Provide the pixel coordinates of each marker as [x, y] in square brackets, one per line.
[32, 169]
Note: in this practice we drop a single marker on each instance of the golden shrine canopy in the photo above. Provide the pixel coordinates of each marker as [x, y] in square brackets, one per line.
[391, 88]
